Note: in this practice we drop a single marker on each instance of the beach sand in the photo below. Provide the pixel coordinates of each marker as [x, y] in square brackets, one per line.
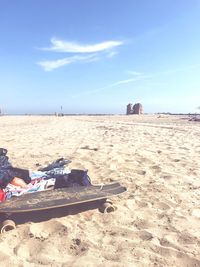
[157, 221]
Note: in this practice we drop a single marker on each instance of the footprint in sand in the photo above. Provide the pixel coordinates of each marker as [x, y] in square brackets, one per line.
[89, 148]
[156, 168]
[177, 160]
[140, 172]
[141, 224]
[43, 230]
[186, 238]
[176, 254]
[28, 249]
[77, 247]
[142, 204]
[161, 206]
[167, 177]
[144, 235]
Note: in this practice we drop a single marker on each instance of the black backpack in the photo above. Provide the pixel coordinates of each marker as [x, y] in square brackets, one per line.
[75, 178]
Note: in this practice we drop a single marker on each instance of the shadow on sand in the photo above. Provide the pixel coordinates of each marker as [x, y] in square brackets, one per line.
[44, 215]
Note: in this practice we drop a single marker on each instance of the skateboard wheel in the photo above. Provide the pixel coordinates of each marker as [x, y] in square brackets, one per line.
[107, 207]
[7, 225]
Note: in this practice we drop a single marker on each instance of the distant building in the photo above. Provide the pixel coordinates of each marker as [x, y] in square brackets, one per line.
[129, 109]
[134, 109]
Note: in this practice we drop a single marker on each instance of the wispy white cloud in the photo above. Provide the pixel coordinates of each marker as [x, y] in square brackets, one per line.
[49, 65]
[112, 54]
[58, 45]
[141, 77]
[134, 73]
[89, 53]
[115, 84]
[167, 72]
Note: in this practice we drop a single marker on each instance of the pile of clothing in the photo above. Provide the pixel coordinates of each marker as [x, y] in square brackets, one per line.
[16, 181]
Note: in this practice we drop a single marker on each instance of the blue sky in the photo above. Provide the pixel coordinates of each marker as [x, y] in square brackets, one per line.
[97, 56]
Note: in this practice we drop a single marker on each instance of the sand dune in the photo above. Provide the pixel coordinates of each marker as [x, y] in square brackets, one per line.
[157, 222]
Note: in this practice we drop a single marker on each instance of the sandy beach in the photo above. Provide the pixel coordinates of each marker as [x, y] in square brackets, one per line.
[157, 221]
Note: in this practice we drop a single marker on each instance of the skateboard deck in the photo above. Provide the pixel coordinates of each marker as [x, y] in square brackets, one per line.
[61, 197]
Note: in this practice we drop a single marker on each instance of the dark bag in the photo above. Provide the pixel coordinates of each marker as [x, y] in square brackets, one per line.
[75, 178]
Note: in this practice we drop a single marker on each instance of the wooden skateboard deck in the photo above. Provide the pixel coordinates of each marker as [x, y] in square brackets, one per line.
[60, 198]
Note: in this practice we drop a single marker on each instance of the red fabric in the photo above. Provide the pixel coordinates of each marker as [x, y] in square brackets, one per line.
[2, 195]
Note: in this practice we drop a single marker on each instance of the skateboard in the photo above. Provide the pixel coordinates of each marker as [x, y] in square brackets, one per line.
[57, 198]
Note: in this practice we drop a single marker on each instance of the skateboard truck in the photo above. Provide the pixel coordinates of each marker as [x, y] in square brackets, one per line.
[107, 207]
[7, 225]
